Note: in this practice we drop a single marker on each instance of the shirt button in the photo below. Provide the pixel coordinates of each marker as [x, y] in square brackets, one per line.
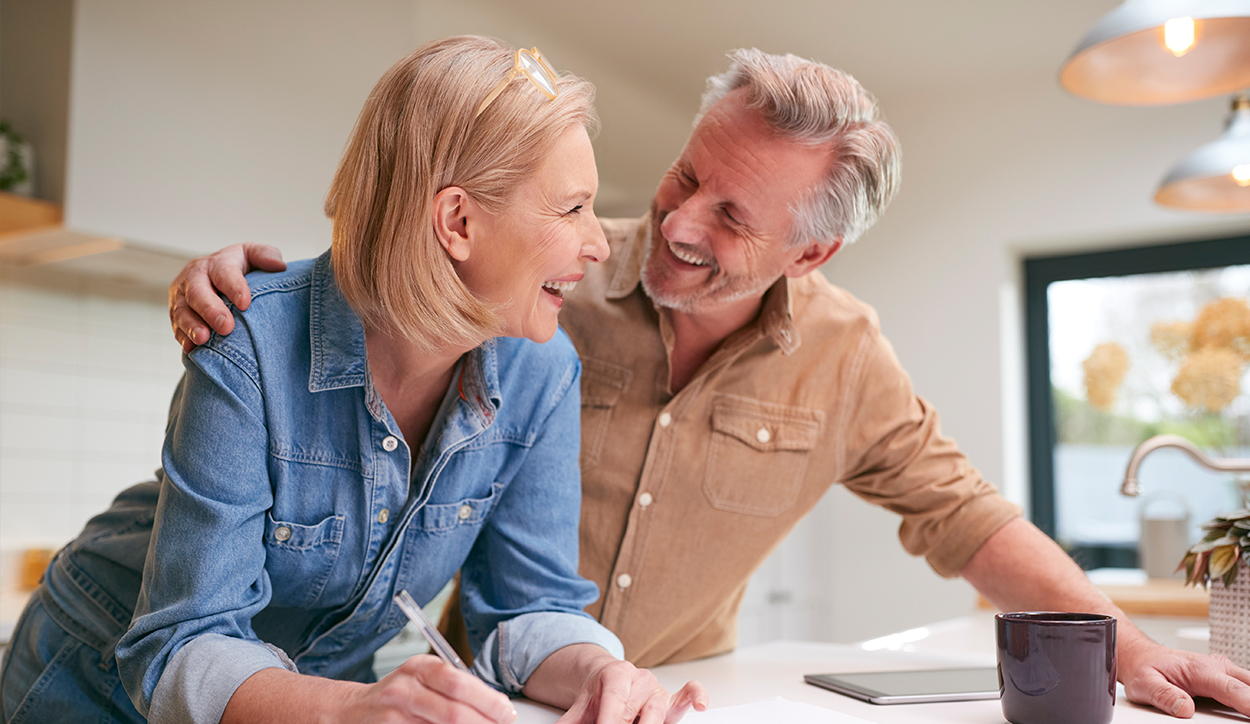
[624, 580]
[464, 512]
[665, 419]
[763, 435]
[384, 515]
[644, 500]
[389, 443]
[282, 533]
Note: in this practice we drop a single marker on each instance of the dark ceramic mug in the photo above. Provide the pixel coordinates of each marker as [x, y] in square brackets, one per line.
[1056, 668]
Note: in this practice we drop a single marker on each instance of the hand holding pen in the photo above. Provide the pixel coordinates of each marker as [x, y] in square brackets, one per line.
[429, 689]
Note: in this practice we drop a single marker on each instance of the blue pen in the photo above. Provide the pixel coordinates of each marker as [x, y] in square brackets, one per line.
[427, 629]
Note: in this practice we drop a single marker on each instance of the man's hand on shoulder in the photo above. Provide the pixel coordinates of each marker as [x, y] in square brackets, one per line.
[1167, 679]
[193, 302]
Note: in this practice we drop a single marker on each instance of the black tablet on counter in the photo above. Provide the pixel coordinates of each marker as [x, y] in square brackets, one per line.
[913, 687]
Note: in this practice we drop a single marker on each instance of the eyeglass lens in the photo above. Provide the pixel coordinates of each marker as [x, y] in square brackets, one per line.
[537, 72]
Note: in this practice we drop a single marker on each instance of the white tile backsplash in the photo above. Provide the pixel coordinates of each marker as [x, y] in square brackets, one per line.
[86, 372]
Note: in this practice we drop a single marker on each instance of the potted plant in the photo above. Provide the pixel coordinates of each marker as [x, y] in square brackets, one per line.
[1219, 561]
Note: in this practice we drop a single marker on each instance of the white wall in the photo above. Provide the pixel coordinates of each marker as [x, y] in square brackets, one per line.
[86, 372]
[195, 125]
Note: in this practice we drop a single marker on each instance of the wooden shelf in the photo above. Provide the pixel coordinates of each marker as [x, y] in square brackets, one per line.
[1155, 597]
[20, 215]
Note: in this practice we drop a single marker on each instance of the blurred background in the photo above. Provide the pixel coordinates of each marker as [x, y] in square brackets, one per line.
[163, 129]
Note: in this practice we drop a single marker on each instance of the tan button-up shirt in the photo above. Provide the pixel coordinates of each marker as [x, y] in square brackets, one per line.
[685, 495]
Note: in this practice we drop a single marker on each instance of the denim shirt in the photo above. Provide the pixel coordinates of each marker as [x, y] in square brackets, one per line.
[290, 512]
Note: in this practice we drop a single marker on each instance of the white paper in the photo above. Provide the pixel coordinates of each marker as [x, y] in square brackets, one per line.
[772, 710]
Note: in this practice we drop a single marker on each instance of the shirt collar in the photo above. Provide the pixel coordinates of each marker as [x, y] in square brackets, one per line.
[336, 334]
[338, 349]
[776, 319]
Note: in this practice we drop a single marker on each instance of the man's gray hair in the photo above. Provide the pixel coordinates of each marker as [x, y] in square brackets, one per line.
[812, 103]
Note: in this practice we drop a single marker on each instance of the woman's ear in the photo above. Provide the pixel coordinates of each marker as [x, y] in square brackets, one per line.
[453, 208]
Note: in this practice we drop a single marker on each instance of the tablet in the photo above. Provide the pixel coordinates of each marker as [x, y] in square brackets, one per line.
[909, 687]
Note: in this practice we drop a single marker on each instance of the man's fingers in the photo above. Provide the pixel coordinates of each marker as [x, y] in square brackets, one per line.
[226, 276]
[264, 257]
[1230, 687]
[203, 308]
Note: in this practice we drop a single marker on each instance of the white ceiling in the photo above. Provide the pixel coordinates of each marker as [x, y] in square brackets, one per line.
[893, 46]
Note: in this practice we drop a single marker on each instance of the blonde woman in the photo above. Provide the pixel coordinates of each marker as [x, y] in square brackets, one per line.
[380, 418]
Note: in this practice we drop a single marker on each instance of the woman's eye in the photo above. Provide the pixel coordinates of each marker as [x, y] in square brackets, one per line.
[575, 209]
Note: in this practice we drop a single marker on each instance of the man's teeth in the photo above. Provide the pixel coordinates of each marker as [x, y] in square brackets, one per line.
[559, 288]
[686, 256]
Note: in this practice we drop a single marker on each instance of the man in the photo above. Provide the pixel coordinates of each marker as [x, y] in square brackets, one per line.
[727, 385]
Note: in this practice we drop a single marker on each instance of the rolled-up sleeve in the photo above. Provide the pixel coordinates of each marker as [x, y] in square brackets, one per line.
[191, 642]
[900, 460]
[521, 595]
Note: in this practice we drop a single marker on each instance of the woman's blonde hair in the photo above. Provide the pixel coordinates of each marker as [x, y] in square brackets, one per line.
[416, 135]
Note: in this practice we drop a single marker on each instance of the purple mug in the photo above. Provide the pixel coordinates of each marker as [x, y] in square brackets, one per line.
[1056, 668]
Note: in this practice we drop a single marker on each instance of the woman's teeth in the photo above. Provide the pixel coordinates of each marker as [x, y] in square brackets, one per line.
[686, 256]
[559, 289]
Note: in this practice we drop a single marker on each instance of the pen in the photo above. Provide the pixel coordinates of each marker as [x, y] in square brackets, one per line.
[427, 629]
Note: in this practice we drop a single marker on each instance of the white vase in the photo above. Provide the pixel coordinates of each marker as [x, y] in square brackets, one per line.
[1230, 617]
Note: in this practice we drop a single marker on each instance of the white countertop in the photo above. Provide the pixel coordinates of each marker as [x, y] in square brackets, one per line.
[776, 669]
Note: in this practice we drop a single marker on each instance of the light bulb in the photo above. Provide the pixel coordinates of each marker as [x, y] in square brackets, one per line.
[1241, 174]
[1178, 35]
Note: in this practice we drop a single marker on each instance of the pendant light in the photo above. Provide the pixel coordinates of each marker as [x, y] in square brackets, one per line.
[1215, 177]
[1152, 52]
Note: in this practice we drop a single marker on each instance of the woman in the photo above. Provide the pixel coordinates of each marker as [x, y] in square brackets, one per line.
[361, 433]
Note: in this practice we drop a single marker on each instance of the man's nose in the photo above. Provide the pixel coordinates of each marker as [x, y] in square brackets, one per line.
[680, 224]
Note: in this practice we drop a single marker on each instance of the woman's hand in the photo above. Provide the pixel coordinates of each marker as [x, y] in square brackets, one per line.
[193, 294]
[596, 688]
[424, 689]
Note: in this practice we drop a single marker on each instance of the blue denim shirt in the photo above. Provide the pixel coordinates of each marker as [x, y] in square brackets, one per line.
[290, 510]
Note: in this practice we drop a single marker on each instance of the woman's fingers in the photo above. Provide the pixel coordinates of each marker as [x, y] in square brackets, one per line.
[458, 690]
[692, 695]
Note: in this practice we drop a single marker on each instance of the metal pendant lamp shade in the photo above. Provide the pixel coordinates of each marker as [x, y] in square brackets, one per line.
[1152, 52]
[1216, 177]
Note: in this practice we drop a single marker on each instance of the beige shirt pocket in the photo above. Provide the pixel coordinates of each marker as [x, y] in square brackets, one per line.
[602, 385]
[758, 454]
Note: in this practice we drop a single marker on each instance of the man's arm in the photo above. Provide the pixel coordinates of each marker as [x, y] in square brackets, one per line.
[1020, 569]
[193, 294]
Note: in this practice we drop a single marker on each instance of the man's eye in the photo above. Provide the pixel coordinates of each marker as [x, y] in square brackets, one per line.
[725, 212]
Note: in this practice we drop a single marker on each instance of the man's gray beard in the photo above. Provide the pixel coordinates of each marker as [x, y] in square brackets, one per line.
[690, 302]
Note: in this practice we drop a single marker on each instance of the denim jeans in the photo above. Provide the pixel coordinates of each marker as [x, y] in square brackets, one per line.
[60, 677]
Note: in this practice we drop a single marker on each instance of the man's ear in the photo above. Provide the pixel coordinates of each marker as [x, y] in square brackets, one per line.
[453, 211]
[813, 257]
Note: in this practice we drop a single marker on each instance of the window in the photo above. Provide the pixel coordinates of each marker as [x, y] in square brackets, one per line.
[1108, 349]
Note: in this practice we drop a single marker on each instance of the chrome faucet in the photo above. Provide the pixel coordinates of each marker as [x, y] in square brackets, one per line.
[1227, 465]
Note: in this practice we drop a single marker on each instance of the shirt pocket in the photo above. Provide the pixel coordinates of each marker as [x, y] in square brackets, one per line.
[758, 454]
[444, 517]
[299, 558]
[603, 384]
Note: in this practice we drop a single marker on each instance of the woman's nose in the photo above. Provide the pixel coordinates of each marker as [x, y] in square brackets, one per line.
[596, 247]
